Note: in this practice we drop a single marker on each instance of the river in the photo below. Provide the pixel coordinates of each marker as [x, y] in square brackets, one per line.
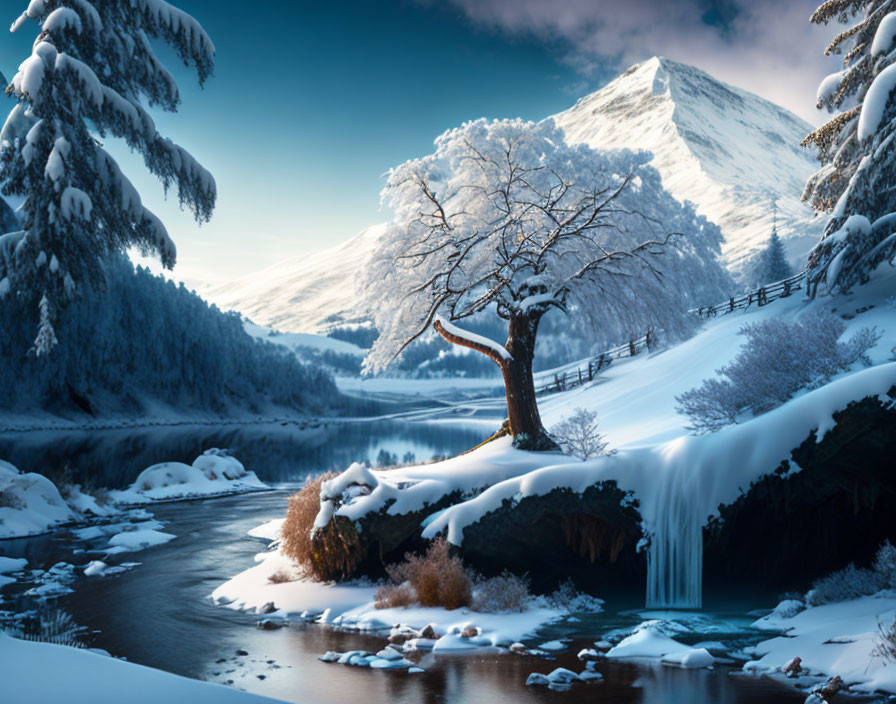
[159, 613]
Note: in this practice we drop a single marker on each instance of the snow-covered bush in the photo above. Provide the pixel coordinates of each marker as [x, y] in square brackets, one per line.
[885, 642]
[438, 578]
[506, 593]
[578, 435]
[778, 359]
[569, 599]
[852, 582]
[885, 564]
[843, 585]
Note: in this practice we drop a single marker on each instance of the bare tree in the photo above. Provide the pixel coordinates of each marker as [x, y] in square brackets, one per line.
[505, 218]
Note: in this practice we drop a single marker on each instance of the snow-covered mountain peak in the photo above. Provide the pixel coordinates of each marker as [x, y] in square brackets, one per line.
[723, 148]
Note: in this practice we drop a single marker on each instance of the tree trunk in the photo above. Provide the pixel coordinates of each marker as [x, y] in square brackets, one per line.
[519, 385]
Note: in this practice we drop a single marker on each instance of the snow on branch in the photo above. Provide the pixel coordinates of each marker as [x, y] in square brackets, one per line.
[457, 336]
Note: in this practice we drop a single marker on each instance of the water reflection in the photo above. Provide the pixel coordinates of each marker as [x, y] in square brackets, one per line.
[278, 453]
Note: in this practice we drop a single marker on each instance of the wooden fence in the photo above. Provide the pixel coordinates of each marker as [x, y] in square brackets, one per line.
[587, 372]
[760, 297]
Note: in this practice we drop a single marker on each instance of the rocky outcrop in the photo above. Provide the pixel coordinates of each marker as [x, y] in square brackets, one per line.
[832, 504]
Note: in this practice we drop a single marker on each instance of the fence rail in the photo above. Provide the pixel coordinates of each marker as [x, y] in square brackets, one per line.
[760, 296]
[587, 372]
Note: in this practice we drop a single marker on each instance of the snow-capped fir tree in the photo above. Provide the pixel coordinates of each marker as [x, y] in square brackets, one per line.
[506, 218]
[857, 182]
[771, 264]
[92, 69]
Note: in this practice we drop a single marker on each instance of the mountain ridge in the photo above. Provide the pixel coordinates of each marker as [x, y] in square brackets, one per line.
[708, 146]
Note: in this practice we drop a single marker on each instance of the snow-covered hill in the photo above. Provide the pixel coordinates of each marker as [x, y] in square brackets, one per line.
[306, 293]
[730, 152]
[727, 150]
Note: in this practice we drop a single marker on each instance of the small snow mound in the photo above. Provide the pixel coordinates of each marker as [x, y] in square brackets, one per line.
[29, 504]
[690, 658]
[214, 473]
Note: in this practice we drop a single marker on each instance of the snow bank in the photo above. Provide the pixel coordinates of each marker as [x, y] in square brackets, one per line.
[253, 590]
[352, 606]
[834, 639]
[29, 503]
[83, 677]
[7, 565]
[356, 493]
[213, 473]
[681, 483]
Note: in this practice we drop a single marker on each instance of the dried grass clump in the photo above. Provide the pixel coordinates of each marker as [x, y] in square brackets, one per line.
[438, 578]
[393, 596]
[506, 593]
[281, 577]
[332, 552]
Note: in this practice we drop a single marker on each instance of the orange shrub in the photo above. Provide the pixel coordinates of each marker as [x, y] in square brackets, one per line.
[438, 577]
[334, 551]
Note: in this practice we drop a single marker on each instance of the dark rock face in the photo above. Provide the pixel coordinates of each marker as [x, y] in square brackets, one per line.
[590, 538]
[788, 530]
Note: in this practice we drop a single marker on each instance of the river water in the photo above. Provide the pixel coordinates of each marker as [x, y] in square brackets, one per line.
[159, 613]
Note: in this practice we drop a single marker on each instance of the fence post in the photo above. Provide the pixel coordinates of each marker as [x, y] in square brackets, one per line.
[786, 291]
[649, 341]
[631, 348]
[731, 304]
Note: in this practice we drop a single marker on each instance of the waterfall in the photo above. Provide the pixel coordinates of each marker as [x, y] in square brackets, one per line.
[675, 556]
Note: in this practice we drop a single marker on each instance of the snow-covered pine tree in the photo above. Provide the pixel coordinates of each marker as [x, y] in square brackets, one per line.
[772, 265]
[857, 181]
[507, 219]
[8, 220]
[92, 70]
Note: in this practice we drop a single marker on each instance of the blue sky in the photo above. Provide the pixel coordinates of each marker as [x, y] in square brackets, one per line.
[312, 103]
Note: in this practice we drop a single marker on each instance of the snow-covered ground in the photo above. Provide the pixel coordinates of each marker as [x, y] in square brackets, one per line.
[42, 673]
[833, 639]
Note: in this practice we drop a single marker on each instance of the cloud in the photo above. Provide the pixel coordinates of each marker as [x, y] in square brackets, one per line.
[766, 46]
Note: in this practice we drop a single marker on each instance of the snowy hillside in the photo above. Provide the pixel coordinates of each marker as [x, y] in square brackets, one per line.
[729, 151]
[304, 294]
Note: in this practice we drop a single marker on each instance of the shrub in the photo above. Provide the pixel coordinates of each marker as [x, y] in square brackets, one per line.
[885, 642]
[849, 583]
[438, 578]
[577, 435]
[281, 577]
[502, 594]
[778, 359]
[567, 598]
[885, 564]
[853, 582]
[392, 596]
[333, 551]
